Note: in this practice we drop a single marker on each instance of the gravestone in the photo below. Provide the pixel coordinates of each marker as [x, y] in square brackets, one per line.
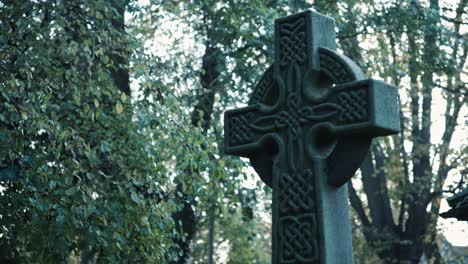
[308, 126]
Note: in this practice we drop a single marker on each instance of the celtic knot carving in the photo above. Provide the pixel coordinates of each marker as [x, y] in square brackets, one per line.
[298, 239]
[240, 132]
[331, 65]
[354, 106]
[294, 114]
[293, 42]
[263, 87]
[296, 192]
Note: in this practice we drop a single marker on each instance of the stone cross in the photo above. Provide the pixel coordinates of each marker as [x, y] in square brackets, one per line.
[308, 126]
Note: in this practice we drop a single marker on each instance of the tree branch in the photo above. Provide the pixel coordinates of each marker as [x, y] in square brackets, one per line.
[401, 138]
[451, 117]
[382, 181]
[356, 203]
[379, 207]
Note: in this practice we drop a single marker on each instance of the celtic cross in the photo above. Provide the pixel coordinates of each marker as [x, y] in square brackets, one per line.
[308, 126]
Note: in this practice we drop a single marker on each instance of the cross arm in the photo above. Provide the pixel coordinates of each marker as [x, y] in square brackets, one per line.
[245, 128]
[368, 108]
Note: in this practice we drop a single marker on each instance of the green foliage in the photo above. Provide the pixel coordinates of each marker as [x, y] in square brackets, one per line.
[251, 247]
[79, 159]
[239, 236]
[363, 252]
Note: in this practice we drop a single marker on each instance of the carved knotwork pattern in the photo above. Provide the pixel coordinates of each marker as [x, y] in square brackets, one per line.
[293, 42]
[294, 114]
[298, 224]
[240, 133]
[296, 192]
[299, 239]
[354, 106]
[330, 64]
[263, 87]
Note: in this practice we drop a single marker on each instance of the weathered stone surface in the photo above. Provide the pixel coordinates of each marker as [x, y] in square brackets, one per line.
[309, 124]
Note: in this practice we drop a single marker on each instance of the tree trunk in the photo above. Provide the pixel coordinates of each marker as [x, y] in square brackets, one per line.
[211, 224]
[185, 224]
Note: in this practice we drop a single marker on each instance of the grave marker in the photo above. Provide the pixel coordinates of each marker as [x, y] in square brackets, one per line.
[307, 137]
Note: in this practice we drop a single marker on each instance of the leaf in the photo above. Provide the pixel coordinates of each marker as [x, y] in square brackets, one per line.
[90, 176]
[119, 108]
[70, 191]
[8, 173]
[135, 198]
[86, 108]
[69, 180]
[52, 184]
[58, 152]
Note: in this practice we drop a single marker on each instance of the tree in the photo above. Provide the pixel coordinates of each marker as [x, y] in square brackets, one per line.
[216, 26]
[73, 158]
